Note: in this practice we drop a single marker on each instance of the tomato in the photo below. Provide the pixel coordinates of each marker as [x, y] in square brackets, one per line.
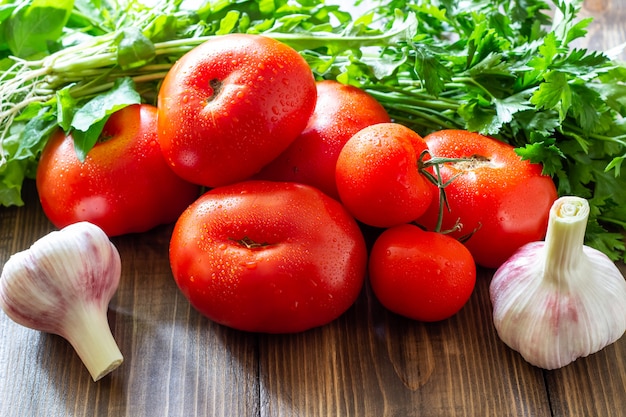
[498, 198]
[340, 112]
[272, 257]
[421, 275]
[124, 185]
[231, 105]
[377, 175]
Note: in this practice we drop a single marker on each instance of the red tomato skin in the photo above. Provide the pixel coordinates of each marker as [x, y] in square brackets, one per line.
[231, 105]
[310, 271]
[506, 201]
[421, 275]
[341, 111]
[124, 185]
[377, 175]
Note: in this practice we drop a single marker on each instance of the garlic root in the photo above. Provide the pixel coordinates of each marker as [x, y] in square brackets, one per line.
[63, 285]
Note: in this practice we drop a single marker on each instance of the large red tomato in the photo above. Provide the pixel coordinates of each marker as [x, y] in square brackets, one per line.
[498, 198]
[231, 105]
[265, 256]
[124, 185]
[378, 178]
[340, 112]
[422, 275]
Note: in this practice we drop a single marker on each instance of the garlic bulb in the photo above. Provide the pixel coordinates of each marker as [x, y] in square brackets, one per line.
[558, 300]
[63, 285]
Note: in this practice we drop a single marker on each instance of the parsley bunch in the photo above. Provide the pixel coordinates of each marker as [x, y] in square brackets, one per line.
[505, 68]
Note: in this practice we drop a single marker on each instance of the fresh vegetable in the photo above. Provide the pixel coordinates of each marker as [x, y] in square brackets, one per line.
[422, 275]
[378, 176]
[500, 201]
[124, 184]
[503, 68]
[340, 111]
[231, 105]
[63, 285]
[272, 257]
[557, 300]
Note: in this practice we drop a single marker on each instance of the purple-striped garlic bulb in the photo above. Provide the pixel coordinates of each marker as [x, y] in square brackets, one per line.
[63, 285]
[558, 300]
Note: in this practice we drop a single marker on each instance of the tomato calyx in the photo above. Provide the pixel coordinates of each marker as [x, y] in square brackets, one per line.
[471, 163]
[248, 243]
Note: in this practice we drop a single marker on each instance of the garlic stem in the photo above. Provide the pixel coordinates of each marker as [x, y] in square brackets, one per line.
[565, 236]
[89, 333]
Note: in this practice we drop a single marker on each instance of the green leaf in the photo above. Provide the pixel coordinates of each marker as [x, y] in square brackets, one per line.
[35, 24]
[66, 107]
[85, 140]
[508, 106]
[554, 93]
[12, 175]
[267, 7]
[6, 10]
[35, 134]
[88, 121]
[545, 153]
[228, 23]
[480, 117]
[432, 72]
[133, 48]
[546, 53]
[587, 108]
[615, 165]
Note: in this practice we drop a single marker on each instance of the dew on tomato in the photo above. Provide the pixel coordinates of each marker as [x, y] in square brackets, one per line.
[315, 253]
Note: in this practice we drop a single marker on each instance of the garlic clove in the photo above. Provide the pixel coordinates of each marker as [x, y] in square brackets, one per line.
[558, 300]
[63, 285]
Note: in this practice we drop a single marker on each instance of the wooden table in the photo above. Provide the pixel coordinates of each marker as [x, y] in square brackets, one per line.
[369, 362]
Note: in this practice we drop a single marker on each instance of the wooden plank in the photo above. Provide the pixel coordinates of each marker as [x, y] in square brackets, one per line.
[608, 29]
[372, 362]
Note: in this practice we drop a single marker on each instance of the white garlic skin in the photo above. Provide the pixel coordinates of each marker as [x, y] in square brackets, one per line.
[553, 320]
[62, 271]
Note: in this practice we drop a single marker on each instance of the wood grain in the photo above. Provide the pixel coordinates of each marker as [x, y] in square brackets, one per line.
[607, 32]
[369, 362]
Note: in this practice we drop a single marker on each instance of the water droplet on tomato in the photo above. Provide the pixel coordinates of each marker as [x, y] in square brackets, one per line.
[251, 264]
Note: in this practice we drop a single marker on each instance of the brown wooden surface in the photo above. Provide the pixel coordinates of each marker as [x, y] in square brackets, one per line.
[367, 363]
